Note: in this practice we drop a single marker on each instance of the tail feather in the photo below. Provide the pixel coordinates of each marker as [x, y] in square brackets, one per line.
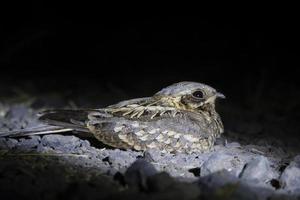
[56, 121]
[34, 131]
[75, 119]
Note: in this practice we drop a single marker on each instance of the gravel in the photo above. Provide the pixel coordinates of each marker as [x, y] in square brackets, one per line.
[72, 167]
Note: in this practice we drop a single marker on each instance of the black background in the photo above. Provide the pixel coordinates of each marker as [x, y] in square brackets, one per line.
[252, 59]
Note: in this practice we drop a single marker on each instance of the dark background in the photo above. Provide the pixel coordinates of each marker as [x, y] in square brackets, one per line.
[83, 52]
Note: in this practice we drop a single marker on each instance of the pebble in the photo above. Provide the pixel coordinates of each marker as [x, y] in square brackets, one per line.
[222, 161]
[290, 177]
[138, 172]
[258, 170]
[66, 144]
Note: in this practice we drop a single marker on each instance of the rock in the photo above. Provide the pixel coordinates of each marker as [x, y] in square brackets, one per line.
[218, 179]
[19, 117]
[120, 159]
[8, 143]
[60, 143]
[224, 185]
[160, 182]
[154, 155]
[163, 186]
[222, 161]
[258, 170]
[28, 144]
[290, 177]
[177, 165]
[138, 172]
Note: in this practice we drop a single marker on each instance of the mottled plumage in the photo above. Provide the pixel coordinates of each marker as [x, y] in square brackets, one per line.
[179, 118]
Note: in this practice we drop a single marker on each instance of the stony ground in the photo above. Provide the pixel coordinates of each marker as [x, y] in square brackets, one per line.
[245, 163]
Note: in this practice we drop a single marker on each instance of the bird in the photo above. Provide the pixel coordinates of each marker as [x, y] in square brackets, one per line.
[179, 118]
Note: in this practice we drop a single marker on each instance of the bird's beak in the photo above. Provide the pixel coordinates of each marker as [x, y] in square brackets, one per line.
[220, 95]
[213, 98]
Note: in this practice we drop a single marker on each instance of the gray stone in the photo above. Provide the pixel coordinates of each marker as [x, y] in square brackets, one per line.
[290, 177]
[218, 179]
[127, 158]
[258, 170]
[28, 144]
[160, 182]
[222, 161]
[224, 185]
[60, 143]
[163, 186]
[177, 165]
[137, 173]
[155, 155]
[8, 143]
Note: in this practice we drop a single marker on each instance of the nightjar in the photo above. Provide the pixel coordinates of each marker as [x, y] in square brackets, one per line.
[178, 118]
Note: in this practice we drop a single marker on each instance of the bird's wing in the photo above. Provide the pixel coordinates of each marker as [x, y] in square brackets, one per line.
[142, 108]
[165, 132]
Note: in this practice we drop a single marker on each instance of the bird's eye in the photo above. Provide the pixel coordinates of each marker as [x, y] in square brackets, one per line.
[198, 94]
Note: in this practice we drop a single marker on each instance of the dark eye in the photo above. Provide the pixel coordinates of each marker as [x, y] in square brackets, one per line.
[198, 94]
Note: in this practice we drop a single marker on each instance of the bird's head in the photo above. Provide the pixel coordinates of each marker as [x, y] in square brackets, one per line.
[190, 96]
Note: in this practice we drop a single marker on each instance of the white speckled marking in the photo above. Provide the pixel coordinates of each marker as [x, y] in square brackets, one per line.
[123, 137]
[118, 128]
[144, 138]
[140, 133]
[137, 147]
[171, 133]
[177, 145]
[190, 138]
[177, 135]
[168, 141]
[135, 125]
[160, 138]
[151, 145]
[153, 131]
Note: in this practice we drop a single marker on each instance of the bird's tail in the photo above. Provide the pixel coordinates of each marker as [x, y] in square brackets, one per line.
[41, 130]
[56, 121]
[75, 119]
